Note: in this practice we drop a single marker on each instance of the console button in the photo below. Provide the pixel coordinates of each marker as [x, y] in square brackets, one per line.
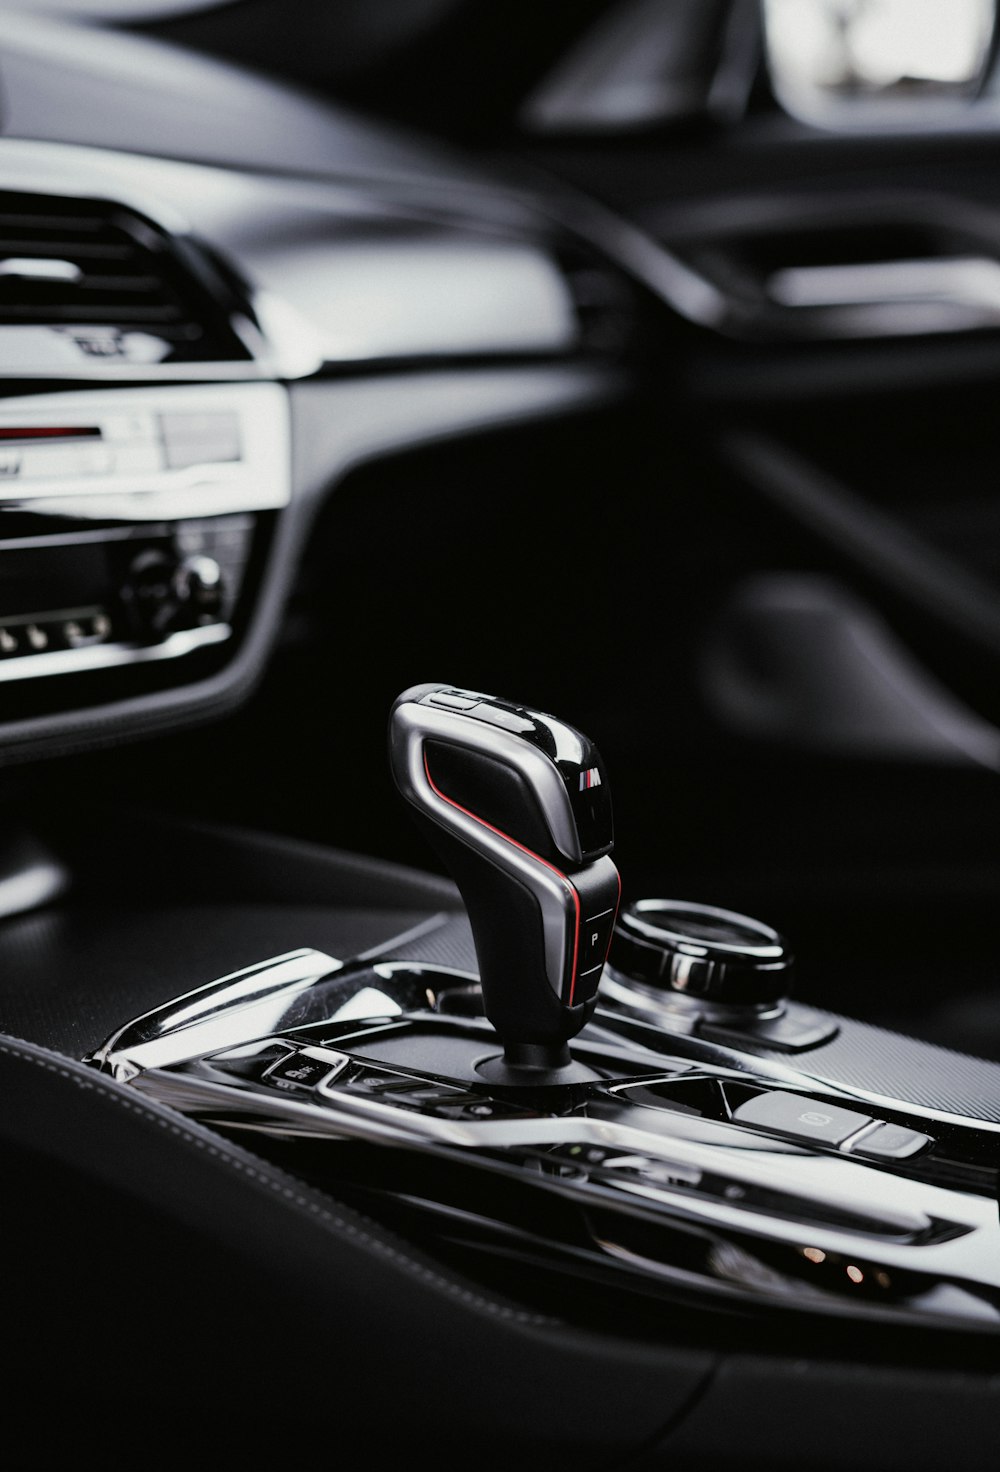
[431, 1093]
[305, 1069]
[453, 702]
[74, 634]
[476, 1106]
[801, 1119]
[595, 937]
[469, 1107]
[891, 1142]
[505, 718]
[390, 1083]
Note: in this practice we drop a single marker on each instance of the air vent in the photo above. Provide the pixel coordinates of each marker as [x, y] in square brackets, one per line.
[109, 283]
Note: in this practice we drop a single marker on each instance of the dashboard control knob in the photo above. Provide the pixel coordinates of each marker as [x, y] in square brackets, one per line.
[164, 593]
[198, 588]
[517, 804]
[700, 951]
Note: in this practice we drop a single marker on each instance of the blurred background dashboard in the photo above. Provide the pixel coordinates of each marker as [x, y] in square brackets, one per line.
[634, 360]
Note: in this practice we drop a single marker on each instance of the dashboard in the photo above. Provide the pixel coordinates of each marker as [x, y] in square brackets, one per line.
[165, 326]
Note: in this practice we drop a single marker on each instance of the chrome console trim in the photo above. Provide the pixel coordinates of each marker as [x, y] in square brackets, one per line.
[125, 472]
[656, 1167]
[110, 656]
[241, 1005]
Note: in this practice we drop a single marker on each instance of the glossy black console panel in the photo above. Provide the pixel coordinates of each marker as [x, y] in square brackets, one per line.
[683, 1170]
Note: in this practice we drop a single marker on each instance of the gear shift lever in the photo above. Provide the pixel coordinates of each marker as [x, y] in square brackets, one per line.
[517, 805]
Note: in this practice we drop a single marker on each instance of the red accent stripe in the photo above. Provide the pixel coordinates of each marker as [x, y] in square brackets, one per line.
[50, 432]
[532, 855]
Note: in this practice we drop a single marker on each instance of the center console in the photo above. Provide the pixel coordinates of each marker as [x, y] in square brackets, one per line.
[620, 1098]
[130, 519]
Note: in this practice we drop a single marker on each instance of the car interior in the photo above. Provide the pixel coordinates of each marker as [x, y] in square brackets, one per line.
[500, 731]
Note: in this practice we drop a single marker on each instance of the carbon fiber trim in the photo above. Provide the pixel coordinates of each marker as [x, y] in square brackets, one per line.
[874, 1060]
[449, 945]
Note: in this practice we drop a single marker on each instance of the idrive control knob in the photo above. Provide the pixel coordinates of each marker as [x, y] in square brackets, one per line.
[703, 952]
[517, 804]
[698, 969]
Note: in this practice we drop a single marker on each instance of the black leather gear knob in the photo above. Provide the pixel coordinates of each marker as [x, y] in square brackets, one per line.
[517, 804]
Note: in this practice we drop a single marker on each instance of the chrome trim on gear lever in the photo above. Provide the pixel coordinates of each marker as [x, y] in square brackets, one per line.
[414, 726]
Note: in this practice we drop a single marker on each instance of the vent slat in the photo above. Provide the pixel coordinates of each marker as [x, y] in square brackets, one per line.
[146, 284]
[76, 312]
[52, 224]
[11, 245]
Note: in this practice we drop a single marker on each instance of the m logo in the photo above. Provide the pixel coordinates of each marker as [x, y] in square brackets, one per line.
[590, 778]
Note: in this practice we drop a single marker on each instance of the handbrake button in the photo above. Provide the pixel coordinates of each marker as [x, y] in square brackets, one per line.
[800, 1119]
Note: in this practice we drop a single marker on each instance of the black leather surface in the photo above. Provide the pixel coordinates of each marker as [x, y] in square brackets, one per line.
[167, 1279]
[175, 1295]
[157, 907]
[795, 1413]
[73, 974]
